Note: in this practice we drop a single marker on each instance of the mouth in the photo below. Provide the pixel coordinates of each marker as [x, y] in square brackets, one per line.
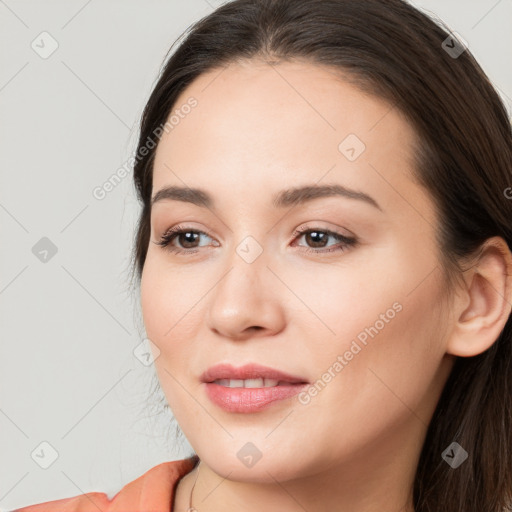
[252, 383]
[251, 375]
[250, 388]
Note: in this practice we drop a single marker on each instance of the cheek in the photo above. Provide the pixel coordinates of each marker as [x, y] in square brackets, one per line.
[169, 317]
[168, 296]
[382, 313]
[380, 365]
[172, 302]
[153, 292]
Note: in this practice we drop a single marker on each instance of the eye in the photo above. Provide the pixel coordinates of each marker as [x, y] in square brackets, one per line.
[188, 237]
[319, 238]
[184, 235]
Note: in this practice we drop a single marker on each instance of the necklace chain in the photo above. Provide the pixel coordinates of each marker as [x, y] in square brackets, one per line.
[190, 507]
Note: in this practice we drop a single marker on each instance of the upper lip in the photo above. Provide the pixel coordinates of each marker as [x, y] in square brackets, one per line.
[248, 371]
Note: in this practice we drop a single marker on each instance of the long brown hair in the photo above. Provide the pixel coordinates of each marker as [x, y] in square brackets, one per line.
[464, 160]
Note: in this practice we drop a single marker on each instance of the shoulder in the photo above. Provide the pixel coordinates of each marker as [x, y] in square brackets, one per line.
[151, 492]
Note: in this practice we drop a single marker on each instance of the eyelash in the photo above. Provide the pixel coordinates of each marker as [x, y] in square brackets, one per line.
[172, 233]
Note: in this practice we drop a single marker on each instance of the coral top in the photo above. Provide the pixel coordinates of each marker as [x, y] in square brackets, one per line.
[151, 492]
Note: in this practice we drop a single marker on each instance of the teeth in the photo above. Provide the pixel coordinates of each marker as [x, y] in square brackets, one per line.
[247, 383]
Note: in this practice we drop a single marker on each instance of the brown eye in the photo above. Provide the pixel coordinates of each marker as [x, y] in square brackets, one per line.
[186, 237]
[318, 239]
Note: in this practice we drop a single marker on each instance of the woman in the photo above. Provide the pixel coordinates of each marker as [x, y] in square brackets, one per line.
[341, 339]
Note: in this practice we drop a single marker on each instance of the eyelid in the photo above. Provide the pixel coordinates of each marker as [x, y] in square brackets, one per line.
[297, 231]
[344, 242]
[180, 227]
[317, 225]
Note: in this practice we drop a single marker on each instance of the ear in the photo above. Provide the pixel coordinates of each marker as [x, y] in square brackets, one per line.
[484, 306]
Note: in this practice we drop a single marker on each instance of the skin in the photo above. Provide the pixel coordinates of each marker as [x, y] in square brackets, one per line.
[258, 129]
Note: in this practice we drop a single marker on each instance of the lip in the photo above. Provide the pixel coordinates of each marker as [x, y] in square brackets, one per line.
[249, 371]
[249, 400]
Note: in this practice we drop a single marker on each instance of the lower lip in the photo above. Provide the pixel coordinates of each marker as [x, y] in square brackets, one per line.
[247, 400]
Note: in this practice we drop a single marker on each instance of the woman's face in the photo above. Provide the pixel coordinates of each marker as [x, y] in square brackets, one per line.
[362, 322]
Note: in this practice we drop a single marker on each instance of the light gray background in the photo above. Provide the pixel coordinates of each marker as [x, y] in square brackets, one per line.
[68, 375]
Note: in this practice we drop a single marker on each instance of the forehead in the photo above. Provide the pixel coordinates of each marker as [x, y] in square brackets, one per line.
[261, 126]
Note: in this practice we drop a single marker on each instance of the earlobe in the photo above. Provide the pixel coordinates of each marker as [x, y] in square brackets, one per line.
[487, 301]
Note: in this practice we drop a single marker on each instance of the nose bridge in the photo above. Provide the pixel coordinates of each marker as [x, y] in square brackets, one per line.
[250, 250]
[249, 247]
[247, 268]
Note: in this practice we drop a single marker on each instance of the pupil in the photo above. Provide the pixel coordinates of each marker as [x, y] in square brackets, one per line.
[190, 238]
[316, 234]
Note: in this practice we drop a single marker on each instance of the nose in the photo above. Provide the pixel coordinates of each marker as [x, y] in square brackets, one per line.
[247, 300]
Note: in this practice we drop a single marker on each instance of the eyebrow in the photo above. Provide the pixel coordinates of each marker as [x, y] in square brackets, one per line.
[283, 199]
